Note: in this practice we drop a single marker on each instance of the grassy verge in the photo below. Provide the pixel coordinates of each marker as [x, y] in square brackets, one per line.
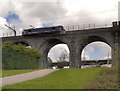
[61, 79]
[107, 80]
[0, 73]
[15, 72]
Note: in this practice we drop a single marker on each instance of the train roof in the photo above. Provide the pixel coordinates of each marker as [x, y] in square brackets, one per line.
[43, 27]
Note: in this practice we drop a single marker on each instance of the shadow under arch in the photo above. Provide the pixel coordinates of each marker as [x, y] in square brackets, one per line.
[47, 45]
[21, 42]
[91, 39]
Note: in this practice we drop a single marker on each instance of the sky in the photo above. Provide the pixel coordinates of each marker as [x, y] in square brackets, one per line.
[39, 13]
[93, 51]
[96, 51]
[55, 52]
[119, 11]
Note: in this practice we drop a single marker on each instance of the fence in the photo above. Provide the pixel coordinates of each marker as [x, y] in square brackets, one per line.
[43, 64]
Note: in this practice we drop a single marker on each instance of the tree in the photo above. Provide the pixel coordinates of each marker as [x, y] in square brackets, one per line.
[63, 56]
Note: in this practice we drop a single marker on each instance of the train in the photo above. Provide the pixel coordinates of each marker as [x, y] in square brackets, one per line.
[52, 29]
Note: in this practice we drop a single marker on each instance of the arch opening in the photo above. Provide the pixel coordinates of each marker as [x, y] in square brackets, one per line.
[54, 48]
[96, 54]
[59, 56]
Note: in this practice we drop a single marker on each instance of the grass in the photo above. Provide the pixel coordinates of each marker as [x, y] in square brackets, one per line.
[61, 79]
[107, 80]
[0, 73]
[15, 72]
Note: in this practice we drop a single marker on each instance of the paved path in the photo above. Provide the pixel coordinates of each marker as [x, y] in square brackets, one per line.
[24, 77]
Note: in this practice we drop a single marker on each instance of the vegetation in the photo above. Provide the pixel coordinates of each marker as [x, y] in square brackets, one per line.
[15, 72]
[19, 57]
[108, 79]
[61, 79]
[16, 61]
[22, 49]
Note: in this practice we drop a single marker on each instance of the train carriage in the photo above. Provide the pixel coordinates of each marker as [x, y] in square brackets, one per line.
[43, 30]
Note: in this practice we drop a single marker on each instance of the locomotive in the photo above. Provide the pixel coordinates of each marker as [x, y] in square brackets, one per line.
[43, 30]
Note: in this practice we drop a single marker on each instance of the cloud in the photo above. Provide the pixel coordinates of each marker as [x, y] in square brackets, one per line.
[85, 55]
[4, 31]
[12, 18]
[2, 22]
[5, 7]
[67, 12]
[56, 51]
[119, 11]
[38, 13]
[81, 12]
[97, 50]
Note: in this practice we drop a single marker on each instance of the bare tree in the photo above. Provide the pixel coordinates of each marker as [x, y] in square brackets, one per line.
[63, 56]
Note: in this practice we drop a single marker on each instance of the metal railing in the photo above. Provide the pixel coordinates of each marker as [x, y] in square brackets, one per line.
[86, 26]
[68, 28]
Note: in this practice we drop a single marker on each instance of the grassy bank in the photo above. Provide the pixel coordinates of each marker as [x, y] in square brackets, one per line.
[61, 79]
[15, 72]
[107, 80]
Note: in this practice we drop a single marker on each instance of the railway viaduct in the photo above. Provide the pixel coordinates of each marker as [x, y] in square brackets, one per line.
[76, 41]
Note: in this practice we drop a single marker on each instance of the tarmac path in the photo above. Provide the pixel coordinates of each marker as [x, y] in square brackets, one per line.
[24, 77]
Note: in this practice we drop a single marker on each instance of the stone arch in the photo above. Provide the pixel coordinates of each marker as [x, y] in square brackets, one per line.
[47, 45]
[91, 39]
[77, 47]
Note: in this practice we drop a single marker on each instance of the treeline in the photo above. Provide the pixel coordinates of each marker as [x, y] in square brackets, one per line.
[20, 57]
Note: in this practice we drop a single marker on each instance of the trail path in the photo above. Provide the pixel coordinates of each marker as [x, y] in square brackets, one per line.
[24, 77]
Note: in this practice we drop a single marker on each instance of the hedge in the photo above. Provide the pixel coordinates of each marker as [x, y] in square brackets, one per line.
[18, 57]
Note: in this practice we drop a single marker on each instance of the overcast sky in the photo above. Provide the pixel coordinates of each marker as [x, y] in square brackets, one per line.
[39, 13]
[23, 13]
